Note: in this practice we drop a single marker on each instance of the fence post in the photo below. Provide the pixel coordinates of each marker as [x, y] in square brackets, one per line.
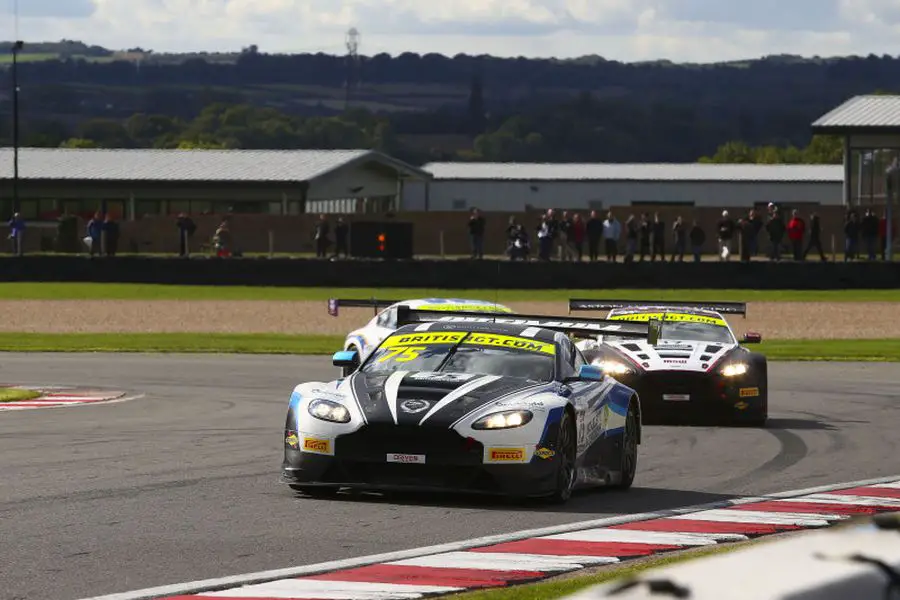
[102, 242]
[185, 242]
[19, 250]
[833, 249]
[271, 243]
[441, 239]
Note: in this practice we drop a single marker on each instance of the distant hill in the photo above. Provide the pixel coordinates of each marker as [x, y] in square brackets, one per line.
[657, 110]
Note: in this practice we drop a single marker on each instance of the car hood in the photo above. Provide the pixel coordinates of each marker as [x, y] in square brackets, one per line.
[671, 355]
[432, 399]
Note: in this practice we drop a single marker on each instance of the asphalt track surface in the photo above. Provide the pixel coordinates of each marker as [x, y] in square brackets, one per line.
[182, 484]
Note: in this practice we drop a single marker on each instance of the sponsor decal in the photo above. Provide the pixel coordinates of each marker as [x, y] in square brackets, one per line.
[427, 339]
[442, 377]
[675, 361]
[676, 397]
[316, 445]
[509, 341]
[749, 392]
[671, 317]
[506, 454]
[414, 406]
[741, 405]
[545, 453]
[409, 459]
[292, 441]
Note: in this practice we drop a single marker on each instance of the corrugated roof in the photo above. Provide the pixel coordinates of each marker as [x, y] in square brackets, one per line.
[862, 112]
[181, 165]
[636, 172]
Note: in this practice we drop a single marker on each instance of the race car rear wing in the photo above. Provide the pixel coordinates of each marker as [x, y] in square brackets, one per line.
[584, 327]
[725, 308]
[334, 304]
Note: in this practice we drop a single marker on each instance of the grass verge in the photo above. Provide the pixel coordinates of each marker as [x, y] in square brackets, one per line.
[125, 291]
[561, 587]
[887, 350]
[16, 395]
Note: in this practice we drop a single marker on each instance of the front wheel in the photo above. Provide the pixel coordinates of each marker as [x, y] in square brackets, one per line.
[566, 452]
[629, 450]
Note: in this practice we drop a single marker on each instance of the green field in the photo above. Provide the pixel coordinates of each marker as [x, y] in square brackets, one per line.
[125, 291]
[887, 350]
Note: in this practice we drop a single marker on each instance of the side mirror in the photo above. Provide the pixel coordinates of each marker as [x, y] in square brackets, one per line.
[751, 337]
[345, 358]
[588, 373]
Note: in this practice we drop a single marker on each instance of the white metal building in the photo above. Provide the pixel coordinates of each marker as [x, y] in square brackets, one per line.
[520, 186]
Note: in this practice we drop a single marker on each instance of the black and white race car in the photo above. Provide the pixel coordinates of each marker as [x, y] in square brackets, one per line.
[466, 402]
[695, 372]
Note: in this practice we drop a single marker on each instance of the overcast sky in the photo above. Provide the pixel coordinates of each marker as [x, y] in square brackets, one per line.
[629, 30]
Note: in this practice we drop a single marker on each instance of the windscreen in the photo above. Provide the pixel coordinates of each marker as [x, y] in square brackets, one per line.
[684, 326]
[465, 352]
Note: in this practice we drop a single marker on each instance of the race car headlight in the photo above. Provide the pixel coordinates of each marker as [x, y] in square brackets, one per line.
[734, 369]
[503, 420]
[329, 411]
[614, 367]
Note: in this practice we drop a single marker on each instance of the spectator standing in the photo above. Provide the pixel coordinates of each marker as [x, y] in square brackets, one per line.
[882, 234]
[223, 241]
[796, 230]
[680, 235]
[110, 233]
[745, 229]
[659, 238]
[752, 238]
[815, 236]
[476, 233]
[868, 230]
[578, 236]
[644, 230]
[517, 241]
[631, 238]
[698, 238]
[17, 234]
[726, 235]
[612, 231]
[851, 236]
[341, 233]
[594, 232]
[186, 229]
[94, 233]
[566, 236]
[775, 228]
[321, 236]
[545, 237]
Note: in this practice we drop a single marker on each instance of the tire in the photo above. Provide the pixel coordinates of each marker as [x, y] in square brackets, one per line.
[629, 456]
[567, 450]
[314, 491]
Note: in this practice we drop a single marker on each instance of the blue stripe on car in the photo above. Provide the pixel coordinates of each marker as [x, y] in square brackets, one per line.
[553, 418]
[294, 405]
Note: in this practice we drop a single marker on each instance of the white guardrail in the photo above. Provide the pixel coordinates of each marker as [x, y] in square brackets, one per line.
[857, 561]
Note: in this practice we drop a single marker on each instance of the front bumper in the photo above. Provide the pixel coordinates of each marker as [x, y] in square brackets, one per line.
[697, 397]
[452, 463]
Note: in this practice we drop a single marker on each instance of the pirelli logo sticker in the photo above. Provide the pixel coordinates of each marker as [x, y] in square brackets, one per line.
[424, 339]
[317, 445]
[509, 341]
[670, 317]
[506, 455]
[749, 392]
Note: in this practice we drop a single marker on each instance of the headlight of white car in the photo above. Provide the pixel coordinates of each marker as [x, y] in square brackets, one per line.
[614, 367]
[329, 411]
[504, 420]
[734, 369]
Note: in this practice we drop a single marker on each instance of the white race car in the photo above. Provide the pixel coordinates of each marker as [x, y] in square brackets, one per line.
[693, 369]
[366, 338]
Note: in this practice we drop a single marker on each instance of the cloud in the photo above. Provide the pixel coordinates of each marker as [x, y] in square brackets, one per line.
[680, 30]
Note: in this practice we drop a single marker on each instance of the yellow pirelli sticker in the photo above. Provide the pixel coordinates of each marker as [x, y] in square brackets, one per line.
[749, 392]
[506, 454]
[509, 341]
[424, 339]
[675, 317]
[316, 445]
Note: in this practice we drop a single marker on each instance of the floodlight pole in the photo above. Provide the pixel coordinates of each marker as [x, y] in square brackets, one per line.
[16, 48]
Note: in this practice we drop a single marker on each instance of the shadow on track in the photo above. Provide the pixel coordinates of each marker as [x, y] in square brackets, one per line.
[597, 501]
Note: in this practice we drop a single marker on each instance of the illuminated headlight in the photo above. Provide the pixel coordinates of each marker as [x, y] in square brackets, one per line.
[734, 370]
[503, 420]
[329, 411]
[613, 367]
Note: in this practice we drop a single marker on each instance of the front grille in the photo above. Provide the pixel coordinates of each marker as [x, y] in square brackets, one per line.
[651, 386]
[373, 442]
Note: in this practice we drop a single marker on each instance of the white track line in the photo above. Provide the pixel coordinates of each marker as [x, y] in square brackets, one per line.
[351, 590]
[207, 585]
[11, 405]
[501, 561]
[626, 536]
